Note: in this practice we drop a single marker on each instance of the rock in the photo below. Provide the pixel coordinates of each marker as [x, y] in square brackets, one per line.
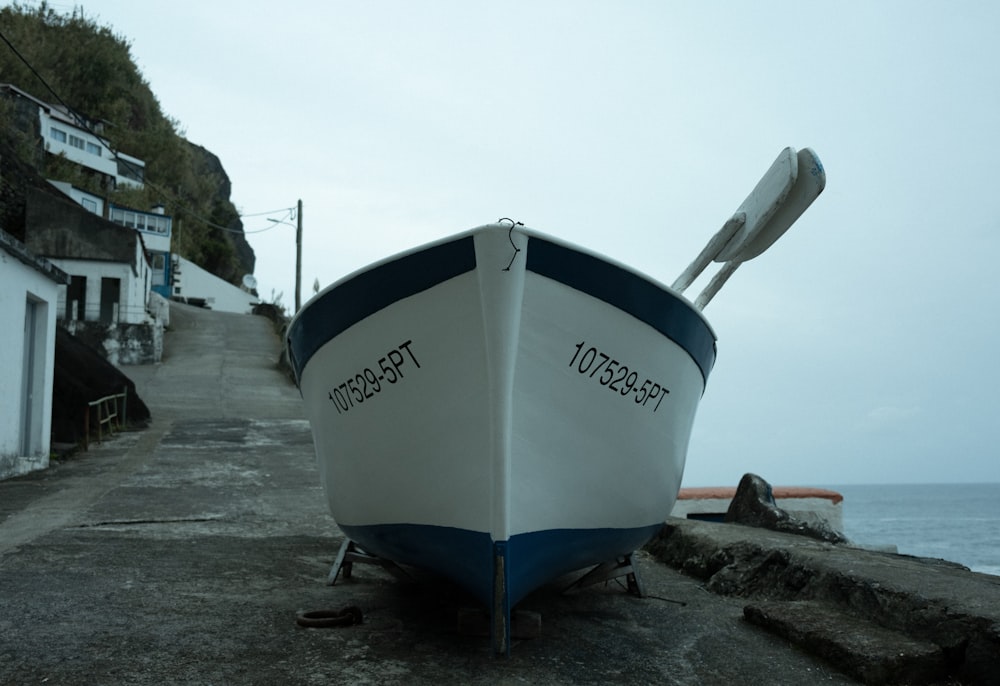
[754, 505]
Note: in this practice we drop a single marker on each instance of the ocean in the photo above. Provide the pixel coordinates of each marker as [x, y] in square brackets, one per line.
[956, 522]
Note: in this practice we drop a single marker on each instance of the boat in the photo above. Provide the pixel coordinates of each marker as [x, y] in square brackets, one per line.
[502, 407]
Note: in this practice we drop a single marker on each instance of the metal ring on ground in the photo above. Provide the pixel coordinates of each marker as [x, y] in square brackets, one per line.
[347, 616]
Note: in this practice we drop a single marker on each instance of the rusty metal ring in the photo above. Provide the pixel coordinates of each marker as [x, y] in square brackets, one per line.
[347, 616]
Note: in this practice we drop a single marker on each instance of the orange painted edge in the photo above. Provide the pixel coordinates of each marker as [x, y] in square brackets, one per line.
[779, 492]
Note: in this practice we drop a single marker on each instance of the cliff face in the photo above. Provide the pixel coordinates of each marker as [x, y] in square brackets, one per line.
[208, 165]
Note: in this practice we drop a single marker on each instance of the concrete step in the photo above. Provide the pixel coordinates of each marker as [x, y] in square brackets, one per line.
[940, 602]
[864, 650]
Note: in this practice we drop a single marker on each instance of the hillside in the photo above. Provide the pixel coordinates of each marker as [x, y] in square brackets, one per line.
[69, 59]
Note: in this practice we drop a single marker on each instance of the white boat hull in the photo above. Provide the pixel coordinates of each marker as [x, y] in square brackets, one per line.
[500, 407]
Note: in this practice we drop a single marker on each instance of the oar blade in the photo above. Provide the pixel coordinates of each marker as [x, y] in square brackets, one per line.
[810, 182]
[763, 202]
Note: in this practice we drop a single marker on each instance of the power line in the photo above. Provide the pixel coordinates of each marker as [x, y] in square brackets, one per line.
[289, 210]
[289, 214]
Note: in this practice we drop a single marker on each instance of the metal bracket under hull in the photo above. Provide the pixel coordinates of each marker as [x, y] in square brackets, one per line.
[350, 553]
[606, 571]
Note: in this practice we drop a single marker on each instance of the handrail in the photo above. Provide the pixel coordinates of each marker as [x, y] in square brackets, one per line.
[109, 414]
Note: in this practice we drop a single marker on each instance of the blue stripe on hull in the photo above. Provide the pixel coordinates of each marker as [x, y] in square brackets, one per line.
[463, 556]
[536, 558]
[648, 302]
[467, 557]
[342, 307]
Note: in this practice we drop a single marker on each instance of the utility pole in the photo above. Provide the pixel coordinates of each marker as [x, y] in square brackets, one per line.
[298, 258]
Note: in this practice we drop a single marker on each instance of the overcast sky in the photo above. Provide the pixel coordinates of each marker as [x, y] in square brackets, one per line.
[859, 349]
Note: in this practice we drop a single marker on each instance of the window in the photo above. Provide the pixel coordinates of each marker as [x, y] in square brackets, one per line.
[94, 149]
[76, 141]
[57, 134]
[159, 225]
[151, 223]
[89, 204]
[129, 170]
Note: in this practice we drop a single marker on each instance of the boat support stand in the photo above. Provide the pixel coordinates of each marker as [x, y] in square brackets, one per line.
[350, 553]
[612, 569]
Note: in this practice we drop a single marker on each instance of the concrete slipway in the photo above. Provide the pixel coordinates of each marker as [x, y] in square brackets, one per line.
[180, 554]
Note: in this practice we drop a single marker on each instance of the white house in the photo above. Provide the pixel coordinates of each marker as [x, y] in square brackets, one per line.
[107, 301]
[78, 139]
[154, 226]
[29, 288]
[195, 285]
[104, 291]
[110, 274]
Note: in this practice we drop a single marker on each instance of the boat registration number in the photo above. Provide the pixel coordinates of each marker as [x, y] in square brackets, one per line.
[617, 376]
[366, 383]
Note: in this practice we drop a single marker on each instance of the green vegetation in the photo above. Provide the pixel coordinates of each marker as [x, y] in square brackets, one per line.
[90, 68]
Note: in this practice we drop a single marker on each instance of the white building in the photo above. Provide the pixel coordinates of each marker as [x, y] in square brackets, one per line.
[79, 140]
[29, 288]
[195, 285]
[105, 292]
[154, 226]
[107, 301]
[110, 274]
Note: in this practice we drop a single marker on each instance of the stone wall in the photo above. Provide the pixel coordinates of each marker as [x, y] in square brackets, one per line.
[121, 343]
[58, 227]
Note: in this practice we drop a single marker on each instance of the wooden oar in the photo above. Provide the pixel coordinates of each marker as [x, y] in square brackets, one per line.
[809, 183]
[708, 253]
[758, 208]
[793, 181]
